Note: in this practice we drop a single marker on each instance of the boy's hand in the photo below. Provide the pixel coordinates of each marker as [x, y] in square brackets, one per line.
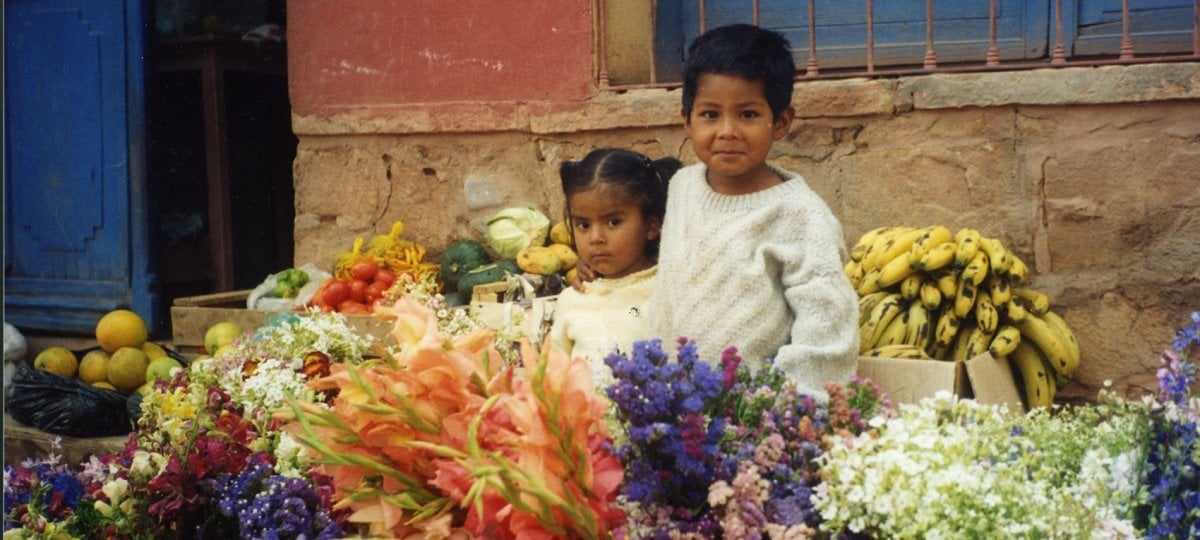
[583, 274]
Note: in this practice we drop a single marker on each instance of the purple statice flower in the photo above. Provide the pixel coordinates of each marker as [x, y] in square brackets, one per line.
[1173, 457]
[270, 506]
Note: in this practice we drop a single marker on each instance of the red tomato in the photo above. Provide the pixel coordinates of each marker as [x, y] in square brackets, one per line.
[358, 290]
[335, 292]
[375, 292]
[364, 269]
[350, 307]
[386, 277]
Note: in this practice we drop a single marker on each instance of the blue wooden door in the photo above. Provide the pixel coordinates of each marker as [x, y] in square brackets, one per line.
[75, 226]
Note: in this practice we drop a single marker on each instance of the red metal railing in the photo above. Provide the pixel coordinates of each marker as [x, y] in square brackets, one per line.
[991, 60]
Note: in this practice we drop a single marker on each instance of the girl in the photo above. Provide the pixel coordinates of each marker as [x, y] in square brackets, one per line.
[615, 204]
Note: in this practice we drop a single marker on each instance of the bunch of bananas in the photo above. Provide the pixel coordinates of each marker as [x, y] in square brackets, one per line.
[388, 251]
[930, 293]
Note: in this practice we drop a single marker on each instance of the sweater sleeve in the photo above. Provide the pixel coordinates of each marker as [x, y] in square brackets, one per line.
[564, 310]
[824, 334]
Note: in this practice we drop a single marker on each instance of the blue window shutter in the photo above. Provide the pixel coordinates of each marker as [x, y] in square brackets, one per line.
[1156, 26]
[960, 29]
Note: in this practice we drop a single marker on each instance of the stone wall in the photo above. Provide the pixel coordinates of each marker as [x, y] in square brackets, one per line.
[1090, 174]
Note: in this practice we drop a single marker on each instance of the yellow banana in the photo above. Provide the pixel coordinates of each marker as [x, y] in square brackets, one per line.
[865, 241]
[868, 303]
[997, 254]
[986, 316]
[869, 283]
[1015, 309]
[964, 299]
[977, 269]
[1035, 376]
[930, 296]
[1004, 341]
[977, 342]
[855, 272]
[1058, 323]
[947, 328]
[898, 350]
[919, 329]
[1037, 300]
[895, 271]
[1050, 341]
[910, 287]
[999, 290]
[939, 256]
[881, 244]
[1017, 271]
[931, 236]
[881, 316]
[894, 332]
[967, 242]
[947, 283]
[900, 246]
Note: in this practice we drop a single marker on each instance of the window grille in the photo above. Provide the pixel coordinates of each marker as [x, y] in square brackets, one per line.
[879, 38]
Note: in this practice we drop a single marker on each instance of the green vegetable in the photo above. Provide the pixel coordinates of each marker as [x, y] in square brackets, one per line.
[516, 228]
[488, 273]
[461, 257]
[288, 283]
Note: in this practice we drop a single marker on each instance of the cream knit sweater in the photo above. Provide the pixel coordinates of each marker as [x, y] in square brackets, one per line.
[609, 317]
[762, 272]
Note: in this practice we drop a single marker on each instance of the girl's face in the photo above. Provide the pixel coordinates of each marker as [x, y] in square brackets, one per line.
[611, 232]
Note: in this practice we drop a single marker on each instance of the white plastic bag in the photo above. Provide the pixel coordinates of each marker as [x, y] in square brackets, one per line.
[259, 298]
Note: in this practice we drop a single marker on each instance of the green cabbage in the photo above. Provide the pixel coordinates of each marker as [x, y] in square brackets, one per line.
[516, 228]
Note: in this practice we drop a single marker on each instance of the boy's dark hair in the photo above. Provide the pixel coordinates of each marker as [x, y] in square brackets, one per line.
[631, 173]
[746, 51]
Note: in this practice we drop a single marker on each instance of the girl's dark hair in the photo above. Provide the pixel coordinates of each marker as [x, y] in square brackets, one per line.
[633, 174]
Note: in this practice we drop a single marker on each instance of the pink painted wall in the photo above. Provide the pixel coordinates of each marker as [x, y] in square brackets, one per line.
[377, 54]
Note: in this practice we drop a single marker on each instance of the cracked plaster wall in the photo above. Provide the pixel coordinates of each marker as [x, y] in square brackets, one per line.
[1090, 174]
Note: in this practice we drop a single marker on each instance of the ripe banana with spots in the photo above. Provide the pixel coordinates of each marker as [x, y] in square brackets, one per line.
[854, 272]
[1058, 323]
[895, 271]
[1035, 376]
[930, 296]
[986, 315]
[865, 241]
[899, 350]
[881, 316]
[1004, 341]
[947, 284]
[976, 344]
[967, 242]
[1018, 273]
[894, 332]
[998, 289]
[1050, 341]
[1037, 301]
[947, 328]
[997, 255]
[883, 243]
[869, 283]
[901, 244]
[910, 287]
[919, 329]
[868, 303]
[977, 269]
[964, 299]
[931, 236]
[939, 256]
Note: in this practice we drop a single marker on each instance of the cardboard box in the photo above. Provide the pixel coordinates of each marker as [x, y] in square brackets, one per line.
[984, 378]
[192, 316]
[491, 307]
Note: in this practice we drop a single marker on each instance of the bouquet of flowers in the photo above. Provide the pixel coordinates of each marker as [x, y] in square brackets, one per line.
[725, 452]
[440, 439]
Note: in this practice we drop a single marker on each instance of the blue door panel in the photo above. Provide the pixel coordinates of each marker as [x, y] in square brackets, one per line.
[74, 228]
[1156, 26]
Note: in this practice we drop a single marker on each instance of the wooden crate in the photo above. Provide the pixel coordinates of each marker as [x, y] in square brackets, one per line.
[192, 316]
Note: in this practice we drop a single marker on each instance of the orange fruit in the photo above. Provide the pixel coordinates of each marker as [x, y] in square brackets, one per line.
[93, 368]
[121, 328]
[57, 360]
[127, 369]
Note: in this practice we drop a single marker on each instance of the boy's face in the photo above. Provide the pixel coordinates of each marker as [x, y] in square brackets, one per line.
[732, 130]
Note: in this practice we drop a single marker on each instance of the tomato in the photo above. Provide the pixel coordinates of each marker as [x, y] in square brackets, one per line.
[358, 290]
[335, 292]
[364, 269]
[386, 277]
[350, 307]
[375, 292]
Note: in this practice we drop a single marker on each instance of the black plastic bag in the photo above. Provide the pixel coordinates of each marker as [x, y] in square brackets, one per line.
[69, 407]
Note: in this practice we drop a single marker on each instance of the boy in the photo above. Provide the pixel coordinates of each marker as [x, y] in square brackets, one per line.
[751, 257]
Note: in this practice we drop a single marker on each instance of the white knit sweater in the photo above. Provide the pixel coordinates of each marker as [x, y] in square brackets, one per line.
[762, 272]
[609, 317]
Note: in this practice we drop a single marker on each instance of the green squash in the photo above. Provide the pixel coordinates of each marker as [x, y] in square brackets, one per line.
[461, 257]
[488, 273]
